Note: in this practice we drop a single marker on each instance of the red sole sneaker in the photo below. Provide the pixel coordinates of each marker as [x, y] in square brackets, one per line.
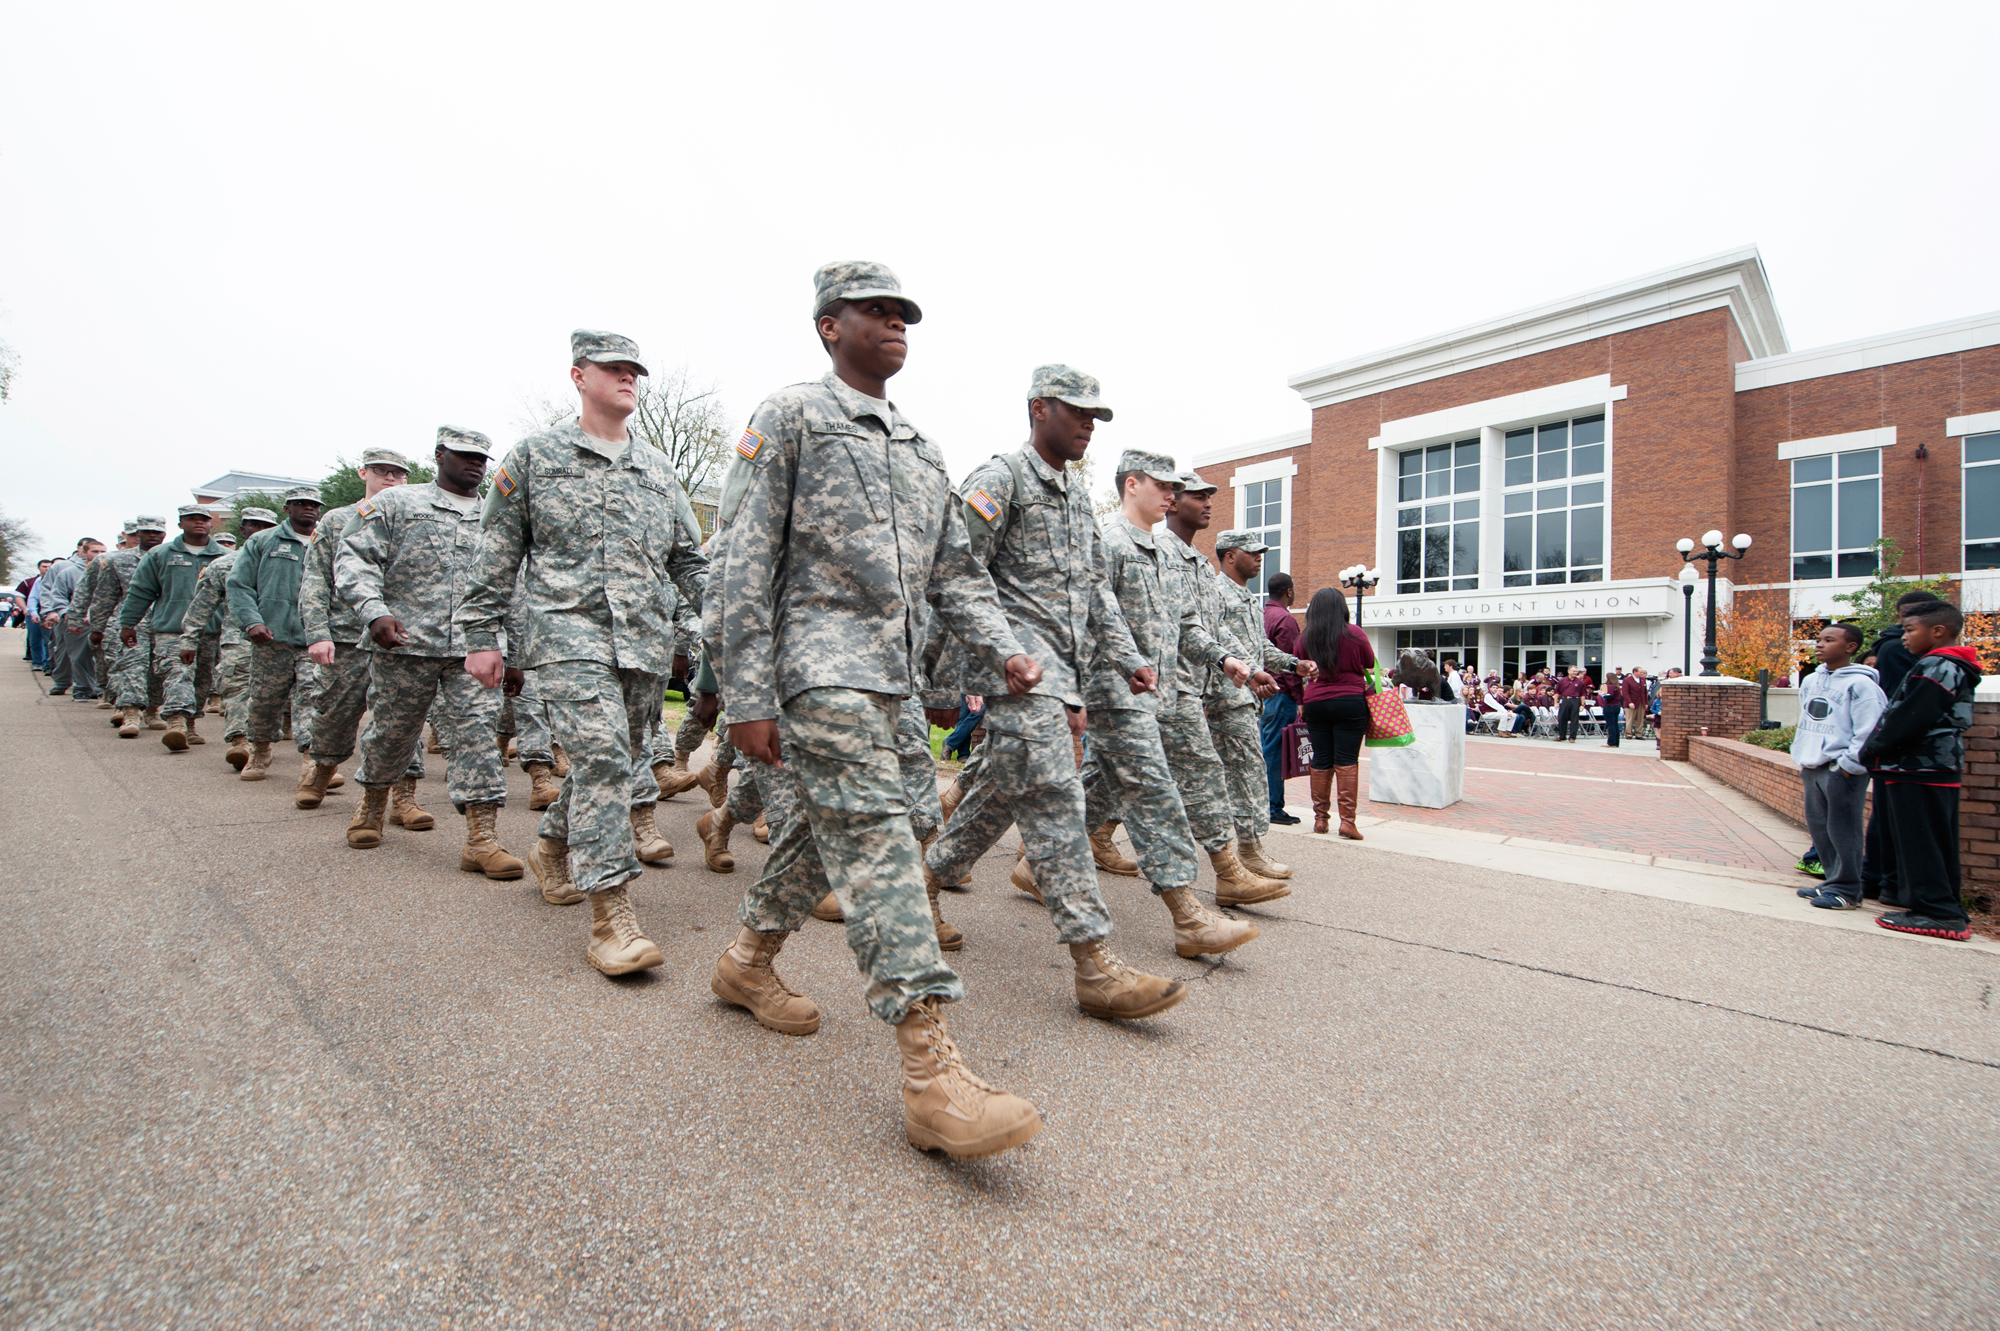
[1956, 935]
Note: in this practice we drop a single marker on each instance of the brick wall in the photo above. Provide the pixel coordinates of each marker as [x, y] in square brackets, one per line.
[1725, 707]
[1979, 799]
[1765, 775]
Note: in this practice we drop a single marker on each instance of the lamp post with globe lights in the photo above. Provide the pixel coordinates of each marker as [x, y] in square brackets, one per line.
[1712, 552]
[1360, 577]
[1688, 579]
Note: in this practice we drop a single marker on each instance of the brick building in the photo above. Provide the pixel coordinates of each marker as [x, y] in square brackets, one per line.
[1521, 483]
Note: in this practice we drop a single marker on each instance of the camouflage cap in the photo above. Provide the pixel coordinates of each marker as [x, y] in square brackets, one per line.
[857, 279]
[1240, 540]
[1192, 482]
[604, 348]
[193, 511]
[145, 523]
[1157, 465]
[263, 515]
[383, 457]
[224, 538]
[464, 441]
[1067, 385]
[127, 529]
[302, 494]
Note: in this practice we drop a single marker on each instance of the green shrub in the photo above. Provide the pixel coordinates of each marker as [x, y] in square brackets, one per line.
[1779, 739]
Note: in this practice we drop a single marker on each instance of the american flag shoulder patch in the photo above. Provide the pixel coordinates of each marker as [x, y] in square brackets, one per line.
[982, 504]
[505, 483]
[749, 444]
[365, 508]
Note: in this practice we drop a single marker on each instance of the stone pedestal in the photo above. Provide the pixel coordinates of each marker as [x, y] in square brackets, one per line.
[1430, 773]
[1725, 707]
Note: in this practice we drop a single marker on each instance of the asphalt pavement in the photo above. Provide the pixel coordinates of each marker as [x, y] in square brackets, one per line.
[251, 1077]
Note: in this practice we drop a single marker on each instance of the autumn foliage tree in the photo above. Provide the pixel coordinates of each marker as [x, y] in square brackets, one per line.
[1756, 632]
[1982, 635]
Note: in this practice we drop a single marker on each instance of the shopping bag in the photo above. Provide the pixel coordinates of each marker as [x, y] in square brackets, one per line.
[1294, 750]
[1388, 720]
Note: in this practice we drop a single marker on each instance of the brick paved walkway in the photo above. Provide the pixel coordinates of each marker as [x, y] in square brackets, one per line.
[1581, 795]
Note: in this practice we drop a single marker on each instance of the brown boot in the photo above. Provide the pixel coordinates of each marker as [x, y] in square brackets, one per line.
[561, 760]
[618, 946]
[404, 811]
[953, 796]
[364, 831]
[104, 704]
[761, 830]
[715, 781]
[128, 724]
[1199, 931]
[215, 706]
[509, 752]
[259, 765]
[1250, 850]
[948, 936]
[187, 726]
[713, 828]
[550, 861]
[336, 781]
[153, 721]
[672, 780]
[1023, 876]
[745, 977]
[1348, 781]
[945, 1107]
[1107, 987]
[1322, 793]
[1105, 851]
[431, 744]
[546, 789]
[647, 843]
[237, 754]
[483, 852]
[828, 909]
[117, 717]
[312, 783]
[1236, 885]
[174, 737]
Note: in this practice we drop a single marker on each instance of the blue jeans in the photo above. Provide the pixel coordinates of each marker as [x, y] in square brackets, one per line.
[959, 741]
[1279, 712]
[1613, 720]
[37, 640]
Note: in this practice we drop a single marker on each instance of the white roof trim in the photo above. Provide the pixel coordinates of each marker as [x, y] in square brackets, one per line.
[1981, 330]
[1277, 443]
[1957, 427]
[1852, 442]
[1500, 413]
[1734, 281]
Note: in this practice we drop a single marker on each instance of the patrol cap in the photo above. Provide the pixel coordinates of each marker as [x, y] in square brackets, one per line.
[857, 279]
[1240, 540]
[193, 511]
[1067, 385]
[127, 529]
[302, 494]
[224, 538]
[604, 348]
[464, 441]
[383, 457]
[145, 523]
[1157, 465]
[263, 515]
[1192, 482]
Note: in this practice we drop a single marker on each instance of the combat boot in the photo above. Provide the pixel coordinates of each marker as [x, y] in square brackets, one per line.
[945, 1107]
[1199, 931]
[117, 717]
[761, 830]
[1107, 987]
[187, 724]
[948, 936]
[238, 753]
[312, 784]
[153, 721]
[953, 796]
[618, 946]
[1105, 851]
[1023, 877]
[674, 780]
[715, 781]
[364, 830]
[561, 760]
[507, 751]
[431, 744]
[336, 781]
[215, 705]
[647, 843]
[713, 828]
[128, 723]
[1250, 850]
[259, 765]
[828, 909]
[745, 977]
[546, 788]
[104, 704]
[404, 811]
[1236, 885]
[483, 852]
[550, 861]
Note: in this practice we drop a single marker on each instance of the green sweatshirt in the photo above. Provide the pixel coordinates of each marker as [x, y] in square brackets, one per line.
[164, 583]
[264, 584]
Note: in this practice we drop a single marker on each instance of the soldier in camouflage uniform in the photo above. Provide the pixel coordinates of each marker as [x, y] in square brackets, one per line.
[150, 622]
[1030, 523]
[611, 545]
[838, 524]
[208, 616]
[139, 698]
[1126, 775]
[106, 654]
[402, 570]
[673, 765]
[264, 597]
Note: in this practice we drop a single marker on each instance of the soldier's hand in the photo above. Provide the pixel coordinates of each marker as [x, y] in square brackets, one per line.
[130, 637]
[1238, 673]
[682, 670]
[1079, 721]
[258, 633]
[97, 640]
[486, 667]
[1145, 679]
[187, 657]
[387, 630]
[1307, 669]
[704, 707]
[1262, 684]
[758, 740]
[320, 652]
[511, 680]
[944, 718]
[1022, 674]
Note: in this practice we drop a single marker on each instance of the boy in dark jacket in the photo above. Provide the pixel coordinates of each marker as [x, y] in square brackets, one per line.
[1892, 661]
[1918, 748]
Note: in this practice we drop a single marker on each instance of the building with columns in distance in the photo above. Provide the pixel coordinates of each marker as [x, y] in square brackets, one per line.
[1520, 484]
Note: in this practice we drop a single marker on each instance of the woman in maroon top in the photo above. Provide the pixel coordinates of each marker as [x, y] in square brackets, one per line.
[1336, 710]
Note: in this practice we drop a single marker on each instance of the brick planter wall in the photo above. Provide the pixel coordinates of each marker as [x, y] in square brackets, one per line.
[1979, 800]
[1727, 707]
[1765, 775]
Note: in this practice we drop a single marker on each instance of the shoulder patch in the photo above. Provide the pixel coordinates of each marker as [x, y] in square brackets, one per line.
[750, 444]
[504, 482]
[982, 503]
[364, 509]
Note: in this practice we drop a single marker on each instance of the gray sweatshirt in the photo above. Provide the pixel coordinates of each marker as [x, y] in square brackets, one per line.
[1838, 710]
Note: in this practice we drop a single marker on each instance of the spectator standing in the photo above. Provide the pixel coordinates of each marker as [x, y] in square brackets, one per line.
[1281, 629]
[1839, 704]
[1893, 660]
[1336, 707]
[1638, 694]
[37, 636]
[1569, 691]
[69, 648]
[1612, 700]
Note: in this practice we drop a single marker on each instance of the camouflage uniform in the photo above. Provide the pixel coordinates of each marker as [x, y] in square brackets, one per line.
[1189, 580]
[839, 525]
[208, 631]
[109, 578]
[324, 617]
[155, 607]
[1233, 711]
[105, 655]
[523, 717]
[264, 589]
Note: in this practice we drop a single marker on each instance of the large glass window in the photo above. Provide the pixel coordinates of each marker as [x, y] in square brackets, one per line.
[1527, 649]
[1264, 513]
[1553, 502]
[1459, 647]
[1836, 514]
[1982, 501]
[1437, 518]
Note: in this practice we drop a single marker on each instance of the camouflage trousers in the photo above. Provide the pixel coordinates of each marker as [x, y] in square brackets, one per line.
[1197, 770]
[919, 767]
[149, 669]
[1240, 744]
[402, 692]
[188, 690]
[761, 791]
[673, 748]
[1125, 776]
[1029, 777]
[129, 684]
[106, 658]
[281, 674]
[850, 834]
[345, 692]
[232, 677]
[598, 713]
[526, 720]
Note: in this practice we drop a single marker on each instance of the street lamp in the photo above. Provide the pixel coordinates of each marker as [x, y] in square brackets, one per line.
[1713, 552]
[1688, 579]
[1360, 577]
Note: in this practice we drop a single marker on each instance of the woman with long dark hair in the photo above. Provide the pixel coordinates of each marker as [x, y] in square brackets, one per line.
[1336, 711]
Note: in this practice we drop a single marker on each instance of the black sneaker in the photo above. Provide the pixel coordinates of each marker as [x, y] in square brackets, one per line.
[58, 691]
[1828, 899]
[1283, 818]
[1909, 922]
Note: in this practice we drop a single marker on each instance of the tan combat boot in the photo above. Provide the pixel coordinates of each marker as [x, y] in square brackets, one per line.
[104, 704]
[238, 753]
[674, 780]
[1250, 850]
[948, 935]
[215, 705]
[259, 765]
[1236, 885]
[715, 781]
[507, 751]
[1199, 931]
[312, 784]
[336, 781]
[550, 861]
[761, 830]
[153, 721]
[953, 796]
[1023, 876]
[618, 946]
[1107, 987]
[364, 831]
[483, 852]
[745, 977]
[828, 909]
[187, 724]
[404, 811]
[546, 789]
[561, 760]
[431, 744]
[128, 723]
[713, 828]
[945, 1107]
[1105, 851]
[647, 843]
[117, 717]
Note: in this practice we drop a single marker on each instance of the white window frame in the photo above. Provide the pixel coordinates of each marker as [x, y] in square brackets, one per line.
[1275, 469]
[1452, 498]
[1964, 466]
[1500, 489]
[1833, 483]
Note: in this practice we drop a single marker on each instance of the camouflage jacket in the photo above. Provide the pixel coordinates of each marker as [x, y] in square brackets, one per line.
[264, 583]
[107, 589]
[84, 599]
[1243, 617]
[208, 609]
[322, 614]
[1190, 578]
[409, 554]
[164, 583]
[611, 547]
[1032, 526]
[840, 526]
[1165, 626]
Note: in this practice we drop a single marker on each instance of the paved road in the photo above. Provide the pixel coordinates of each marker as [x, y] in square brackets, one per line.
[251, 1077]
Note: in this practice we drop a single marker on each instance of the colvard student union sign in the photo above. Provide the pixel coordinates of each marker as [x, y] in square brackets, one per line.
[1659, 600]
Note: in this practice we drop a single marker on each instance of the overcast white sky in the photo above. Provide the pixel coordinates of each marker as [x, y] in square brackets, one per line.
[262, 236]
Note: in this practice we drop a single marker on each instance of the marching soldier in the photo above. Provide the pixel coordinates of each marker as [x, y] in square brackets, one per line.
[264, 597]
[151, 620]
[1234, 711]
[138, 696]
[107, 654]
[209, 618]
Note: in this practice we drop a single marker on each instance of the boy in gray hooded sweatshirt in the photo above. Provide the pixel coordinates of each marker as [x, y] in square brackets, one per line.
[1839, 704]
